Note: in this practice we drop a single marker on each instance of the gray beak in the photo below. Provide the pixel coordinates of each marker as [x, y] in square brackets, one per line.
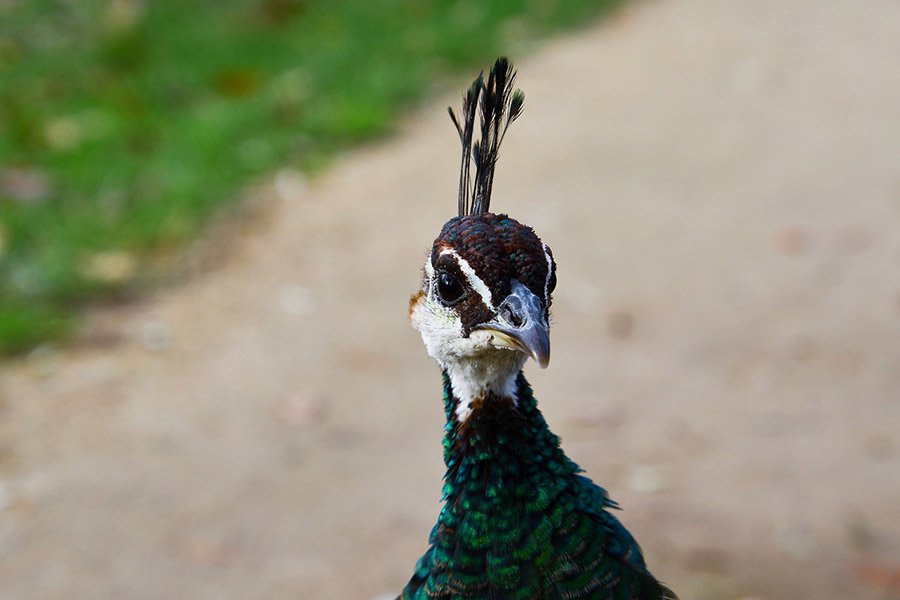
[520, 325]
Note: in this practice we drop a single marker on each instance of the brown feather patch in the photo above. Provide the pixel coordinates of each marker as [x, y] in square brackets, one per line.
[414, 300]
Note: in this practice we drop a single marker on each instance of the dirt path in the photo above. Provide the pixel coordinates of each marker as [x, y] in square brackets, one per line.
[719, 182]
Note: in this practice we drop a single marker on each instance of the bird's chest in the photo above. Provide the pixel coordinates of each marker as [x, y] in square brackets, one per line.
[496, 532]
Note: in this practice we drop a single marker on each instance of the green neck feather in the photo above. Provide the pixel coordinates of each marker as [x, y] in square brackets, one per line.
[518, 521]
[505, 471]
[504, 440]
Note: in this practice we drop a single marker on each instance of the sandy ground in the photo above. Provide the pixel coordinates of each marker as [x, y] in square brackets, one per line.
[719, 183]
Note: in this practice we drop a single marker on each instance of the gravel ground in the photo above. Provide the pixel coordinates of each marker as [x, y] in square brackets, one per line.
[719, 183]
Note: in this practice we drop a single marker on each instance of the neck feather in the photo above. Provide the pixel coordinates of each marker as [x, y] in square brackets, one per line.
[477, 378]
[518, 521]
[505, 429]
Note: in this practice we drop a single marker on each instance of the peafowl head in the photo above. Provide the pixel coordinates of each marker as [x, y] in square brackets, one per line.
[483, 309]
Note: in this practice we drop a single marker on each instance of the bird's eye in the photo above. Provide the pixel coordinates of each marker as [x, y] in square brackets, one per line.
[448, 288]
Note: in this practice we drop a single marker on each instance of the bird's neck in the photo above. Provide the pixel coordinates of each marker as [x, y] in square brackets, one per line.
[488, 375]
[502, 439]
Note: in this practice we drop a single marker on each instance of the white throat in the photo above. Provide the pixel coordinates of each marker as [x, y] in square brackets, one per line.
[474, 377]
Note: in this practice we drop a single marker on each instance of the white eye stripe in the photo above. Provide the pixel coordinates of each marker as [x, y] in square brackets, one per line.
[472, 277]
[549, 272]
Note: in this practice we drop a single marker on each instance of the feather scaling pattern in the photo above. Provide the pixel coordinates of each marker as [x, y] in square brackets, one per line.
[520, 522]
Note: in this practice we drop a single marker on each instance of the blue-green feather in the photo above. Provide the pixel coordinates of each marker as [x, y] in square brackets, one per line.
[519, 521]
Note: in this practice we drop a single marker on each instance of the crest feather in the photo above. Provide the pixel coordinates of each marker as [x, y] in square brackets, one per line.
[499, 105]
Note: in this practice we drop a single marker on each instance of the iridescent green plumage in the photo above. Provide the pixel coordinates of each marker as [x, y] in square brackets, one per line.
[519, 521]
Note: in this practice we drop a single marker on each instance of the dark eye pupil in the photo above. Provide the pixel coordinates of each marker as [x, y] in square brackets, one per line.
[449, 288]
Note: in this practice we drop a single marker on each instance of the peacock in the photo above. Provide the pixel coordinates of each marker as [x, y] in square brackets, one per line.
[519, 519]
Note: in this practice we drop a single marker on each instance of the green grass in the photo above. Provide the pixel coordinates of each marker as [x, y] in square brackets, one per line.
[124, 125]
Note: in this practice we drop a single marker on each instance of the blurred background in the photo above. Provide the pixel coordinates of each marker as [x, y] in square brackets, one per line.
[212, 217]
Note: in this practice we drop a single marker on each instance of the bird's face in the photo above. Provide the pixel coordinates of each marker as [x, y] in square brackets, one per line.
[484, 304]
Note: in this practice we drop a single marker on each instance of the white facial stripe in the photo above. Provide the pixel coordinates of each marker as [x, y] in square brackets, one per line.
[429, 270]
[549, 273]
[474, 280]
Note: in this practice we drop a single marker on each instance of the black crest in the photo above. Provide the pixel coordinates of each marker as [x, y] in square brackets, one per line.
[499, 106]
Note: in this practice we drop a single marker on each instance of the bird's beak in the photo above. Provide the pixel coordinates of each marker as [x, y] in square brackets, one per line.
[520, 325]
